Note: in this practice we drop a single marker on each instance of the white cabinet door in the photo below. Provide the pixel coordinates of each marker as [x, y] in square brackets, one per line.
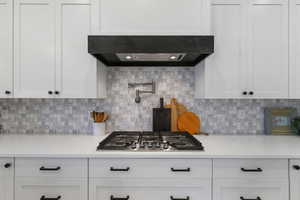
[294, 179]
[268, 48]
[54, 189]
[6, 48]
[76, 72]
[149, 189]
[251, 51]
[34, 48]
[6, 179]
[225, 69]
[255, 189]
[294, 49]
[152, 17]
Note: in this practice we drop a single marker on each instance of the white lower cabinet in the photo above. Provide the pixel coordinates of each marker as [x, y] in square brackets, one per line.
[149, 189]
[294, 179]
[6, 179]
[51, 179]
[250, 179]
[50, 189]
[148, 179]
[247, 189]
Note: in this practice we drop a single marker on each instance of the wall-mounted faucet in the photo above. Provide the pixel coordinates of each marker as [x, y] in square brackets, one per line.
[138, 92]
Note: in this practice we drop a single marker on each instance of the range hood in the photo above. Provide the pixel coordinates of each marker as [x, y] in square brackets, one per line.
[150, 50]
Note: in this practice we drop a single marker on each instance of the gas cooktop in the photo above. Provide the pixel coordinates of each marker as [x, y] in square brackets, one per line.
[150, 141]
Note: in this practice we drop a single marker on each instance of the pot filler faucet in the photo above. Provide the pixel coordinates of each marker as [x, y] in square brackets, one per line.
[139, 92]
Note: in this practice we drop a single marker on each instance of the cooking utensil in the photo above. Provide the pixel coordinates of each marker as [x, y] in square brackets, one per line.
[189, 122]
[99, 117]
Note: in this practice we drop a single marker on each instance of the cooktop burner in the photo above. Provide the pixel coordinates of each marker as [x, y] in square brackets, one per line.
[150, 141]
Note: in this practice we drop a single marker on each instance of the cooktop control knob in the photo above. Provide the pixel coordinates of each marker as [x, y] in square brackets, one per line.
[150, 145]
[157, 145]
[133, 146]
[165, 145]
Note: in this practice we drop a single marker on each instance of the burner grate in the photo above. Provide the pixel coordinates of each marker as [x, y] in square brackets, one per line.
[150, 141]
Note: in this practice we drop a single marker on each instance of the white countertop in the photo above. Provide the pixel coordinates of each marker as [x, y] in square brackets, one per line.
[215, 147]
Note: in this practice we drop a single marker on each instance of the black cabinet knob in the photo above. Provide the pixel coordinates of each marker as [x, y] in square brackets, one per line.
[50, 92]
[251, 93]
[56, 92]
[7, 165]
[7, 92]
[296, 167]
[245, 93]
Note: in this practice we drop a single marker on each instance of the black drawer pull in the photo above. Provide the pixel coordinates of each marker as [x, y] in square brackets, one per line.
[251, 170]
[119, 198]
[257, 198]
[180, 170]
[296, 167]
[49, 169]
[7, 165]
[46, 198]
[172, 198]
[119, 169]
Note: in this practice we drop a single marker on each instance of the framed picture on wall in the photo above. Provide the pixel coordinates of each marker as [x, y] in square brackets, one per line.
[277, 121]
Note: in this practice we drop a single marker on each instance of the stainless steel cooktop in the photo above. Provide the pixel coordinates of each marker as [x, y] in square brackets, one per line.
[150, 141]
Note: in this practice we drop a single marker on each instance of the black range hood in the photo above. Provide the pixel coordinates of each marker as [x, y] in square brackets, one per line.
[150, 50]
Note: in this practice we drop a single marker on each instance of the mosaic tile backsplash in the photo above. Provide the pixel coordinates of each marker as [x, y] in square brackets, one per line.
[71, 116]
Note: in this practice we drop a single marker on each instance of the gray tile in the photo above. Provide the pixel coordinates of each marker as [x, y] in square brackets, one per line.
[71, 116]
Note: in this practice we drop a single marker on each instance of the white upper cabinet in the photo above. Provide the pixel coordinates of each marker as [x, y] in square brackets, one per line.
[6, 48]
[34, 48]
[251, 51]
[151, 17]
[226, 67]
[294, 49]
[268, 46]
[51, 50]
[76, 74]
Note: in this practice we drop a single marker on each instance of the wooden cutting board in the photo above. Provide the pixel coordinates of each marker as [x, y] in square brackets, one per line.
[176, 110]
[189, 122]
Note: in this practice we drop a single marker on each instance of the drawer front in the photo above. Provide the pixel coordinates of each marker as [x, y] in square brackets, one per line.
[35, 167]
[147, 190]
[151, 168]
[41, 189]
[247, 168]
[271, 189]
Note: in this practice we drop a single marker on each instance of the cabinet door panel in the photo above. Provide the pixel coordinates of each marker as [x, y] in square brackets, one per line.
[149, 189]
[294, 49]
[294, 180]
[270, 189]
[36, 188]
[6, 48]
[225, 68]
[76, 68]
[6, 179]
[268, 56]
[153, 17]
[34, 48]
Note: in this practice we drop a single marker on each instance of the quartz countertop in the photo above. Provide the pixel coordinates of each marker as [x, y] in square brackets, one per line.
[59, 146]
